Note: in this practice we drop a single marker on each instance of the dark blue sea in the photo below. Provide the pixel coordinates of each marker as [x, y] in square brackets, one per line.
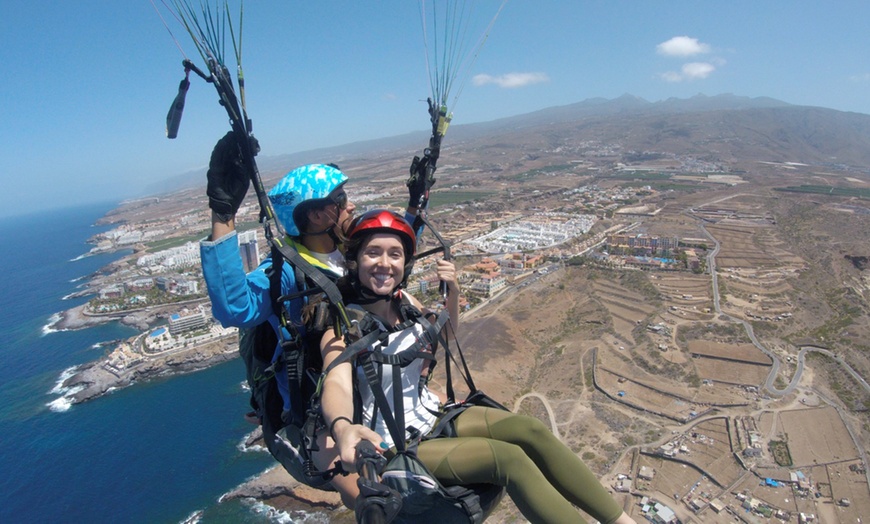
[158, 452]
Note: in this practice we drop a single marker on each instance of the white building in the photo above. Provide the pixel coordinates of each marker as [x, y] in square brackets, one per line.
[181, 322]
[249, 249]
[488, 285]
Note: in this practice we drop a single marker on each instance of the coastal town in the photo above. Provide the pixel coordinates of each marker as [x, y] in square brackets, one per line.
[162, 290]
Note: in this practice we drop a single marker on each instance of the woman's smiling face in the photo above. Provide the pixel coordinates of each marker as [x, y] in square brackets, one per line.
[381, 263]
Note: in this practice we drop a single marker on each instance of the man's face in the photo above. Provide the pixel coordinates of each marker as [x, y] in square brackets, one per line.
[341, 210]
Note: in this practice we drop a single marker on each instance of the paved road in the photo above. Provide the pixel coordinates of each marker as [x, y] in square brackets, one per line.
[769, 383]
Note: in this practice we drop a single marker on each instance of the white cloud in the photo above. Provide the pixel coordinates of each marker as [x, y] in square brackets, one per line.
[860, 78]
[511, 80]
[672, 76]
[689, 71]
[682, 46]
[696, 70]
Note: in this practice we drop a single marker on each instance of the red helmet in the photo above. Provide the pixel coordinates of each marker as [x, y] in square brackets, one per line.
[379, 221]
[384, 221]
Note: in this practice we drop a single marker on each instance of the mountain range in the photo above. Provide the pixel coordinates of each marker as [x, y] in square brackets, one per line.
[724, 127]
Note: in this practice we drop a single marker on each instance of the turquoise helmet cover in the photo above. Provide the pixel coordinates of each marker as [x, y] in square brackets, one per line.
[303, 184]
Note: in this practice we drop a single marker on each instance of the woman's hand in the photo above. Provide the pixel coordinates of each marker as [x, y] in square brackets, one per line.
[447, 272]
[347, 436]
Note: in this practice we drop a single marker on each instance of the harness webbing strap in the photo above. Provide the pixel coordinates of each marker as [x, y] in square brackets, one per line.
[320, 280]
[353, 350]
[381, 402]
[395, 418]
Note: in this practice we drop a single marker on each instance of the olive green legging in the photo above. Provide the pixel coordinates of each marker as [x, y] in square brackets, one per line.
[542, 476]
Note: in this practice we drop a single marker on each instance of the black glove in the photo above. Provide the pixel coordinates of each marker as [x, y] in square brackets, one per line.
[419, 182]
[228, 177]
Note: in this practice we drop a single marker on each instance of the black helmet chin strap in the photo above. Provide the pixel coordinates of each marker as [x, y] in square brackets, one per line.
[365, 296]
[336, 241]
[365, 299]
[328, 231]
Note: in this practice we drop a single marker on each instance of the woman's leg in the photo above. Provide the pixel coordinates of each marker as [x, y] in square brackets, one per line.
[561, 466]
[472, 460]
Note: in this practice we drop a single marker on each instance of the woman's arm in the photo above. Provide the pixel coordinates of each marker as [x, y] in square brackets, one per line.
[447, 272]
[337, 404]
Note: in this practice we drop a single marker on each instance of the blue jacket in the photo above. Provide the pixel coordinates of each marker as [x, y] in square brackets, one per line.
[239, 299]
[242, 300]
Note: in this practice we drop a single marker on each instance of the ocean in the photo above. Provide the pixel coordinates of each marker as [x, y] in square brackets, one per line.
[163, 451]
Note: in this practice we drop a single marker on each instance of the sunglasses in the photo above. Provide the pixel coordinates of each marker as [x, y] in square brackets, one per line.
[340, 200]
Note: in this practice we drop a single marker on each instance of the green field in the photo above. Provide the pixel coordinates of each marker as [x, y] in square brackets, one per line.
[828, 190]
[641, 175]
[665, 186]
[546, 170]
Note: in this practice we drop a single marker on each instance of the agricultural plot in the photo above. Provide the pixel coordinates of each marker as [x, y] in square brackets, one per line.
[740, 247]
[747, 286]
[626, 308]
[740, 364]
[720, 394]
[685, 296]
[683, 288]
[851, 485]
[736, 373]
[709, 448]
[808, 445]
[669, 478]
[778, 497]
[746, 353]
[646, 397]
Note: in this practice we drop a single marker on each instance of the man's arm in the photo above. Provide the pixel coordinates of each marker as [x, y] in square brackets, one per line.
[219, 228]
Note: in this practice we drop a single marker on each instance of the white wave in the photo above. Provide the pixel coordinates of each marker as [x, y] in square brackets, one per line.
[282, 517]
[58, 388]
[80, 257]
[245, 386]
[70, 392]
[193, 518]
[274, 515]
[71, 295]
[245, 449]
[65, 400]
[61, 404]
[257, 448]
[78, 279]
[52, 321]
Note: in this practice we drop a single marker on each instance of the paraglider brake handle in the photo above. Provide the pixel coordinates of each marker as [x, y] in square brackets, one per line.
[190, 66]
[442, 285]
[376, 503]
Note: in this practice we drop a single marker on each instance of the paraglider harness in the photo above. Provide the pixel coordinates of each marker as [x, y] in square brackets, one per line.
[407, 490]
[283, 363]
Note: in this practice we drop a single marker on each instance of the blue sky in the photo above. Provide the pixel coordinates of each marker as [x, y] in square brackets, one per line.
[86, 84]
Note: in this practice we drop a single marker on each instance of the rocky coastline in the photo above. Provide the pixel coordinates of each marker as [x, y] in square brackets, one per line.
[142, 320]
[99, 377]
[278, 490]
